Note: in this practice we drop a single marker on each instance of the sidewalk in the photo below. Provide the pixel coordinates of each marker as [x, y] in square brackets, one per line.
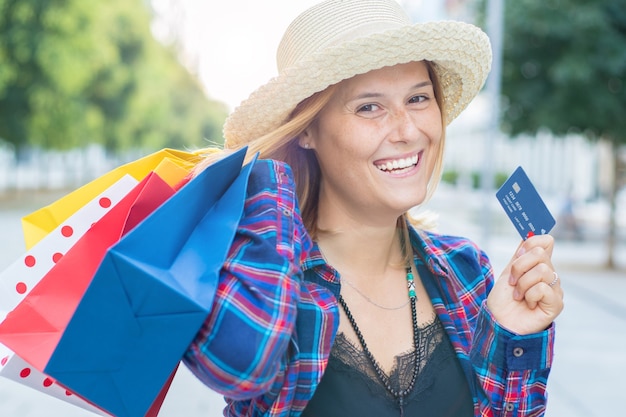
[587, 378]
[589, 366]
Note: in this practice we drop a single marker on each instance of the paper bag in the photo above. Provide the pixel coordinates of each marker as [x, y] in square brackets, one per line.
[17, 280]
[151, 294]
[33, 328]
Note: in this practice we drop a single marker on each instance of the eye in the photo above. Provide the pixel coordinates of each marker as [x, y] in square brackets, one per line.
[420, 98]
[367, 108]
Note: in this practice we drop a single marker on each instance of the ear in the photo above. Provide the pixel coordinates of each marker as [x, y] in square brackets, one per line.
[305, 139]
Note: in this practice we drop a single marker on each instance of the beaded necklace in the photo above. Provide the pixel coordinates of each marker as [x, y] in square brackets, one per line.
[398, 395]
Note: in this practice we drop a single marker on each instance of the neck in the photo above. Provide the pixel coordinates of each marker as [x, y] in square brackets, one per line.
[363, 251]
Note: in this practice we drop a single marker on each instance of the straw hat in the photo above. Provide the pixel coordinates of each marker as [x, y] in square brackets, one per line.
[338, 39]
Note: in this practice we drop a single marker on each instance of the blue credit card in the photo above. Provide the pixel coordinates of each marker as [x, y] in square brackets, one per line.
[524, 206]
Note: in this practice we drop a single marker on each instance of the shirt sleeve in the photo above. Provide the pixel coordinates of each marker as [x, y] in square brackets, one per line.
[512, 369]
[239, 348]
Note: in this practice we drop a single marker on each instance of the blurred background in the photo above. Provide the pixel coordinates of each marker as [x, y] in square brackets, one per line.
[87, 86]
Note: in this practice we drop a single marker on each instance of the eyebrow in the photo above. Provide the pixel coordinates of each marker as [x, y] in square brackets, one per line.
[377, 95]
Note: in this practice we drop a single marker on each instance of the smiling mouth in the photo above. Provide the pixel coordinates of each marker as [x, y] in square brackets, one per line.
[399, 165]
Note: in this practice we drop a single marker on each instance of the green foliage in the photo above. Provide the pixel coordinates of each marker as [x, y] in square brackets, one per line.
[452, 177]
[564, 67]
[74, 72]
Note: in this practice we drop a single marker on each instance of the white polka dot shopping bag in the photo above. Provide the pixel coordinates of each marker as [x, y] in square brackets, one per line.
[146, 300]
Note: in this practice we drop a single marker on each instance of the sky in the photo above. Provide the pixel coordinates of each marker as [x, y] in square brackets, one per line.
[232, 43]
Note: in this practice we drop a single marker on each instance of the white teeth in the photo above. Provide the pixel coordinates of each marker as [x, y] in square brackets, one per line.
[398, 164]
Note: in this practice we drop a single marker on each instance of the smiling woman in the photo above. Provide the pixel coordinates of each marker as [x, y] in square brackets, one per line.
[351, 136]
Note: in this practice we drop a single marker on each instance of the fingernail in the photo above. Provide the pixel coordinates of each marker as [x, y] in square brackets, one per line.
[516, 295]
[521, 251]
[511, 280]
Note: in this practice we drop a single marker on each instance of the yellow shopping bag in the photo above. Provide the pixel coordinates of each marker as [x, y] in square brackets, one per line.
[170, 164]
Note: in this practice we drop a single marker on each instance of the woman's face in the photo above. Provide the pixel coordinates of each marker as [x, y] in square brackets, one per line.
[377, 141]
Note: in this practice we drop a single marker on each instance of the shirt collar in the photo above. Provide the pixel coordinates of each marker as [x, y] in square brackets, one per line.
[316, 265]
[429, 252]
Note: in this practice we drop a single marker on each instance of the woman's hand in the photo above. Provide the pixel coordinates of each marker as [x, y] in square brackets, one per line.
[528, 295]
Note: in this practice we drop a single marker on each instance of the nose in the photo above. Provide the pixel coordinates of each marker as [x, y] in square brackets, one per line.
[405, 128]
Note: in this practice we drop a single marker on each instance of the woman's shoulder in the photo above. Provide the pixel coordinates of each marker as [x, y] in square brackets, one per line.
[270, 173]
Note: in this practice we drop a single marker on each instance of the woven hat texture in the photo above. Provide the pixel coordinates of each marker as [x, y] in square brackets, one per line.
[338, 39]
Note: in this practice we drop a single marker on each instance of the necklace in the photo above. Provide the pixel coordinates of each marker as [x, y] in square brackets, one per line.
[399, 395]
[369, 300]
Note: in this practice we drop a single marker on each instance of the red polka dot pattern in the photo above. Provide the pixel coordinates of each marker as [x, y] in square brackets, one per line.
[57, 257]
[30, 261]
[25, 372]
[67, 231]
[105, 202]
[47, 382]
[21, 288]
[4, 361]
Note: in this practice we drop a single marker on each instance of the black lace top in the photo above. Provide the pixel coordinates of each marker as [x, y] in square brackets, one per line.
[350, 387]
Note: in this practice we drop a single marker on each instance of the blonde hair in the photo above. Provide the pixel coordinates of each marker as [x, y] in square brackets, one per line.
[282, 144]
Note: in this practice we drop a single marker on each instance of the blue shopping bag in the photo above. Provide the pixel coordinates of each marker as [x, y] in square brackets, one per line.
[151, 294]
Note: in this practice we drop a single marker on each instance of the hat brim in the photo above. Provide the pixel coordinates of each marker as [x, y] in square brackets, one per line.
[461, 52]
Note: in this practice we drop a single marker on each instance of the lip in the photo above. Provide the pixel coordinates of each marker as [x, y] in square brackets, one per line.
[400, 171]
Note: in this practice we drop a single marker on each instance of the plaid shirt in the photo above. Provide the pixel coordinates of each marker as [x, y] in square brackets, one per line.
[266, 343]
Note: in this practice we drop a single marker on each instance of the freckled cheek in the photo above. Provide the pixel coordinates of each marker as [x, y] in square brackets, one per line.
[352, 151]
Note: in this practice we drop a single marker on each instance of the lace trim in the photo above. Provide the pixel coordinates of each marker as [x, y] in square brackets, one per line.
[434, 350]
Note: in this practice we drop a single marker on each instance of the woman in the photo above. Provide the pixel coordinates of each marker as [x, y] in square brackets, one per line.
[330, 302]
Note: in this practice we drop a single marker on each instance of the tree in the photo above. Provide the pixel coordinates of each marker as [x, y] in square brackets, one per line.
[74, 72]
[564, 69]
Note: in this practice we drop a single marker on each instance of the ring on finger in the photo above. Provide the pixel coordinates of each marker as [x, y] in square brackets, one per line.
[555, 280]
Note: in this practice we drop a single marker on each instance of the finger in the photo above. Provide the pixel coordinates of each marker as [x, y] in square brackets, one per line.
[537, 273]
[555, 280]
[543, 241]
[528, 261]
[537, 245]
[549, 300]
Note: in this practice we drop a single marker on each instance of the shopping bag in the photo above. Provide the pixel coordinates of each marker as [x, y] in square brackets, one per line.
[167, 163]
[151, 294]
[35, 326]
[17, 280]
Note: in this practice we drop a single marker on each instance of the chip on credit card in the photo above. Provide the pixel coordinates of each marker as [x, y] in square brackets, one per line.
[524, 206]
